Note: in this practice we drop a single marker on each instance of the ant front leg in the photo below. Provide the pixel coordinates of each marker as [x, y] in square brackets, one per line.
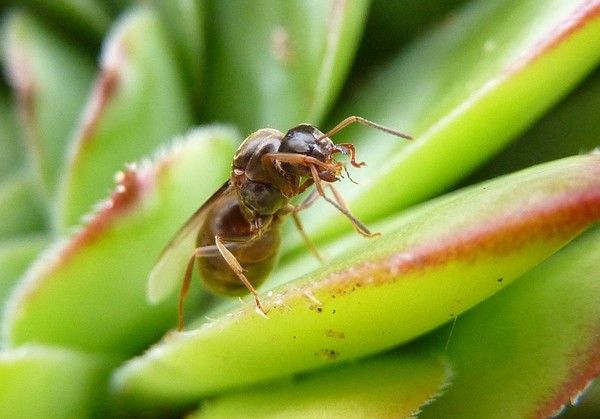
[340, 205]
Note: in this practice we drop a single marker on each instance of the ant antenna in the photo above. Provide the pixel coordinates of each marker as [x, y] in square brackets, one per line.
[353, 119]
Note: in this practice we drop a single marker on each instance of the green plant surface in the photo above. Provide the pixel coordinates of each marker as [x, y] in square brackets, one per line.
[42, 382]
[16, 254]
[127, 233]
[184, 24]
[89, 17]
[290, 66]
[532, 347]
[12, 152]
[21, 211]
[486, 294]
[434, 263]
[586, 404]
[128, 113]
[394, 385]
[572, 127]
[41, 67]
[502, 62]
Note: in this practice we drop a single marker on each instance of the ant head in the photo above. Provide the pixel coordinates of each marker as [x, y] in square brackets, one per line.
[308, 141]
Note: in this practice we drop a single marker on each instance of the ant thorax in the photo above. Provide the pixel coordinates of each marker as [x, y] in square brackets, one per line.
[257, 187]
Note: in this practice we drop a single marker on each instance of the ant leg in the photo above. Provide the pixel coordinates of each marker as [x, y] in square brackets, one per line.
[239, 271]
[342, 203]
[296, 158]
[358, 226]
[309, 243]
[353, 119]
[205, 251]
[294, 210]
[310, 199]
[185, 287]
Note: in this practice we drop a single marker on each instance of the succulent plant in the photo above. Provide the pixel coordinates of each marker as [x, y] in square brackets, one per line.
[481, 297]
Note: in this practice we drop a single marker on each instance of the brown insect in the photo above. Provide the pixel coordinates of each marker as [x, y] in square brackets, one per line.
[235, 237]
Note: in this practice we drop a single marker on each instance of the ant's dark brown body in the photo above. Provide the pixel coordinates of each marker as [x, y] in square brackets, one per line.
[235, 236]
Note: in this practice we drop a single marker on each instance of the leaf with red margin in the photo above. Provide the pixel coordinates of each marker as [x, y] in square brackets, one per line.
[531, 348]
[88, 291]
[431, 264]
[138, 101]
[464, 90]
[47, 74]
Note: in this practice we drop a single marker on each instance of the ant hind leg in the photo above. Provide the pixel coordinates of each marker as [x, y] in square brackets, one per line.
[239, 271]
[185, 287]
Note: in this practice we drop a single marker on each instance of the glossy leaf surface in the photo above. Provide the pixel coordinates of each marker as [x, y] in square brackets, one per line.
[464, 91]
[41, 68]
[39, 382]
[537, 341]
[430, 265]
[127, 232]
[389, 386]
[128, 114]
[290, 65]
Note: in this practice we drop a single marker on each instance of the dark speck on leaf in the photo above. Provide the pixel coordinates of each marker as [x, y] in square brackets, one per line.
[317, 308]
[329, 354]
[500, 279]
[335, 334]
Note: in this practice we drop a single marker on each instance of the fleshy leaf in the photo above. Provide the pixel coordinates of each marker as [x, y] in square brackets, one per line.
[464, 90]
[430, 265]
[138, 101]
[389, 386]
[86, 17]
[21, 210]
[89, 291]
[184, 21]
[15, 256]
[572, 127]
[290, 65]
[42, 67]
[42, 382]
[10, 142]
[392, 24]
[587, 405]
[533, 347]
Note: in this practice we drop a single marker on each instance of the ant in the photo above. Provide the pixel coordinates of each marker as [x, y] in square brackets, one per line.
[235, 237]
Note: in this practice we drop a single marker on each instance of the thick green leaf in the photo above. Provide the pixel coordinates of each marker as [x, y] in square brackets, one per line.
[277, 64]
[394, 385]
[10, 141]
[89, 291]
[15, 256]
[531, 348]
[184, 21]
[42, 382]
[587, 405]
[570, 128]
[88, 17]
[430, 265]
[464, 90]
[138, 102]
[392, 24]
[20, 209]
[42, 68]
